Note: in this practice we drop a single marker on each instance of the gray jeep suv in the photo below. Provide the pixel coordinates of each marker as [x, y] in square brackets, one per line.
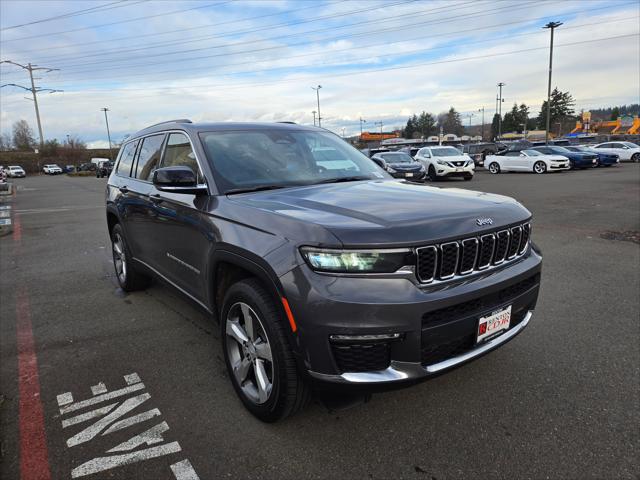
[321, 269]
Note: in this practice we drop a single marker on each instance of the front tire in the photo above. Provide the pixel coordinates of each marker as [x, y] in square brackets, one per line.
[494, 168]
[259, 360]
[129, 278]
[433, 176]
[540, 167]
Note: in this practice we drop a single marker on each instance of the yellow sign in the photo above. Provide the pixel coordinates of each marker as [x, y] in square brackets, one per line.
[586, 117]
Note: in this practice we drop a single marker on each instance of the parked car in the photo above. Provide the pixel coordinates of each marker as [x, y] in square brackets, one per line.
[52, 169]
[626, 151]
[479, 151]
[526, 161]
[3, 174]
[69, 168]
[580, 160]
[412, 151]
[15, 171]
[604, 159]
[335, 276]
[444, 161]
[400, 165]
[104, 169]
[87, 167]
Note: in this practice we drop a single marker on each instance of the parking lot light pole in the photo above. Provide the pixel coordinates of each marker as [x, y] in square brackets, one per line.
[317, 89]
[500, 85]
[105, 110]
[551, 26]
[361, 122]
[482, 125]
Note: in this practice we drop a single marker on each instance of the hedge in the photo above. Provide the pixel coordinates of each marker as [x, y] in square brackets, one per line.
[33, 162]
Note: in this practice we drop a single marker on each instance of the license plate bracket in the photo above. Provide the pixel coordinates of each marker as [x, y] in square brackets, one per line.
[491, 325]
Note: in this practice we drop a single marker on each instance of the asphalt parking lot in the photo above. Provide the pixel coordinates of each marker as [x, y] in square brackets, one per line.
[560, 401]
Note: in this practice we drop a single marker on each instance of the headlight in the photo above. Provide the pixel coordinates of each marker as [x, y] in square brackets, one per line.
[356, 261]
[442, 162]
[422, 168]
[391, 170]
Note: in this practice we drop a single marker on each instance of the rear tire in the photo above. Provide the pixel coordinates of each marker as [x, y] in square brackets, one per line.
[539, 167]
[635, 157]
[494, 168]
[129, 278]
[259, 360]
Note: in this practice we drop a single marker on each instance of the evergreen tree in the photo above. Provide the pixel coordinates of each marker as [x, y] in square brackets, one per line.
[426, 124]
[494, 126]
[450, 122]
[615, 113]
[561, 107]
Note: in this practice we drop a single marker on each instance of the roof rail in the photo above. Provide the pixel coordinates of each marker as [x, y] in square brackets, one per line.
[284, 121]
[179, 120]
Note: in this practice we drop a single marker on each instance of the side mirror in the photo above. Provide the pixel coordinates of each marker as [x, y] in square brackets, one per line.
[177, 180]
[381, 163]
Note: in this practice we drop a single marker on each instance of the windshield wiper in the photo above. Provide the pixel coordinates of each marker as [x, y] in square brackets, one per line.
[342, 179]
[258, 188]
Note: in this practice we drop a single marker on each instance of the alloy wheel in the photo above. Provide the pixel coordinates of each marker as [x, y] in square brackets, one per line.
[539, 167]
[494, 168]
[119, 258]
[249, 352]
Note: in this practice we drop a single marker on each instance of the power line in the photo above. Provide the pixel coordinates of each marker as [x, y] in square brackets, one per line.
[99, 8]
[200, 7]
[404, 53]
[252, 62]
[70, 68]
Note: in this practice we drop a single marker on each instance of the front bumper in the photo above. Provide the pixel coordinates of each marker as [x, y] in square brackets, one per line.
[447, 171]
[436, 324]
[414, 175]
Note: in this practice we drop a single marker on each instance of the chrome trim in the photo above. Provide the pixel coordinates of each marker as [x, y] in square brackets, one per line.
[435, 264]
[506, 251]
[483, 348]
[516, 228]
[522, 248]
[355, 250]
[398, 371]
[493, 250]
[365, 338]
[455, 268]
[173, 284]
[475, 256]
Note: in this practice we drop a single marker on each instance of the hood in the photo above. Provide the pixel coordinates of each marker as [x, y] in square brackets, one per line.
[556, 158]
[456, 158]
[405, 166]
[385, 212]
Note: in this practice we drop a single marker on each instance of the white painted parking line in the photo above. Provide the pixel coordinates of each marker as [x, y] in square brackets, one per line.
[148, 444]
[57, 209]
[184, 471]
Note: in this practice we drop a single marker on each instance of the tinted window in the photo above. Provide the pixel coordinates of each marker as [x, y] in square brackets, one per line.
[512, 154]
[604, 145]
[149, 157]
[616, 145]
[397, 158]
[178, 153]
[126, 159]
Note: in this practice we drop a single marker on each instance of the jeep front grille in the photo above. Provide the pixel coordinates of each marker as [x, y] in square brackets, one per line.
[465, 256]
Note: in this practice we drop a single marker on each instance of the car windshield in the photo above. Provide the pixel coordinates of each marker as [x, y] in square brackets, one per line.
[532, 153]
[445, 152]
[397, 158]
[575, 149]
[276, 158]
[559, 149]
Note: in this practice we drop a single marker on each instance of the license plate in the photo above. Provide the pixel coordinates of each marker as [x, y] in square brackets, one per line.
[492, 324]
[458, 169]
[409, 174]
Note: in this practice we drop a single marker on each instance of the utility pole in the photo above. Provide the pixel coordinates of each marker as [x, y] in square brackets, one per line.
[552, 26]
[105, 110]
[361, 122]
[34, 90]
[500, 85]
[317, 89]
[314, 117]
[482, 126]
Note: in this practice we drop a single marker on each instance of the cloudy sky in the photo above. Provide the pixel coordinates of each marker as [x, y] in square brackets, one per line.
[256, 60]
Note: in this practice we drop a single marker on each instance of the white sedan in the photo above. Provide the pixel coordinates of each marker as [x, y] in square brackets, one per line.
[526, 161]
[627, 151]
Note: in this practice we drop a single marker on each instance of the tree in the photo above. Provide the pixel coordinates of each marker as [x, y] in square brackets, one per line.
[426, 124]
[50, 148]
[450, 122]
[5, 142]
[23, 136]
[561, 107]
[411, 127]
[73, 141]
[615, 113]
[515, 120]
[494, 126]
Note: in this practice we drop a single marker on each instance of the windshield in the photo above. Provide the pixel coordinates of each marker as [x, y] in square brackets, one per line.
[532, 153]
[559, 149]
[397, 158]
[283, 158]
[445, 152]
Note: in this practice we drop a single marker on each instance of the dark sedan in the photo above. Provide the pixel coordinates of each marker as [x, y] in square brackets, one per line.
[577, 159]
[400, 165]
[604, 159]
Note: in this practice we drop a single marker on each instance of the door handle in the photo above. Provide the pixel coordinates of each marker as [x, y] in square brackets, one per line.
[123, 189]
[155, 197]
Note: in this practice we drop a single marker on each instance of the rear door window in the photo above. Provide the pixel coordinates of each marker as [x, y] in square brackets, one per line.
[149, 157]
[126, 159]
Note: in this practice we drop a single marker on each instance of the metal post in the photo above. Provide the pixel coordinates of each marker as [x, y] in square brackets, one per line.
[482, 126]
[317, 89]
[105, 110]
[552, 26]
[500, 85]
[314, 118]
